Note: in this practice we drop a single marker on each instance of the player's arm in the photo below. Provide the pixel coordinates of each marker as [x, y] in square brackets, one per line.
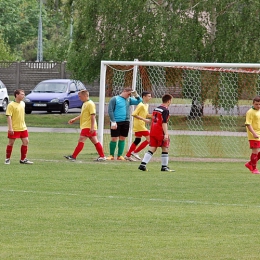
[92, 120]
[111, 109]
[71, 121]
[141, 118]
[165, 130]
[250, 128]
[165, 116]
[136, 115]
[135, 100]
[9, 124]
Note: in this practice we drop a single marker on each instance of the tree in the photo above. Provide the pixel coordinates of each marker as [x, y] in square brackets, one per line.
[5, 53]
[173, 30]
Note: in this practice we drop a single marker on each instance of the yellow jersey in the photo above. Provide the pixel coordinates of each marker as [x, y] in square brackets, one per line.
[88, 109]
[142, 111]
[16, 112]
[253, 119]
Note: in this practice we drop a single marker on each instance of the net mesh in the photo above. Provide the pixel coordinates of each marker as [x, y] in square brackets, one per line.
[208, 109]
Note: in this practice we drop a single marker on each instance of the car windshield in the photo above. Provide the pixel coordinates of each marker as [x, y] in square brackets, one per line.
[51, 87]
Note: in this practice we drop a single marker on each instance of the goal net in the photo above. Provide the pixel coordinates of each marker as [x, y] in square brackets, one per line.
[207, 114]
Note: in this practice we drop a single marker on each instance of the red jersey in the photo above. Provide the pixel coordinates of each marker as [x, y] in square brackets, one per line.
[160, 116]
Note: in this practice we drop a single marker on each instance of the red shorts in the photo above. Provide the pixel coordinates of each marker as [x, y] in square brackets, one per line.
[86, 132]
[18, 134]
[157, 141]
[142, 133]
[254, 144]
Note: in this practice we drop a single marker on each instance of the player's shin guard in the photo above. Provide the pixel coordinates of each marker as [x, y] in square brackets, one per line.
[9, 149]
[78, 149]
[131, 149]
[112, 147]
[141, 146]
[147, 157]
[164, 159]
[253, 160]
[121, 147]
[99, 149]
[24, 149]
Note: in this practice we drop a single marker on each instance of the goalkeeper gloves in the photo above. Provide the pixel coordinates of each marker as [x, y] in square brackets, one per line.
[134, 94]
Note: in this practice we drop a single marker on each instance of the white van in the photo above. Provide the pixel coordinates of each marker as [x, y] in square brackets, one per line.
[4, 98]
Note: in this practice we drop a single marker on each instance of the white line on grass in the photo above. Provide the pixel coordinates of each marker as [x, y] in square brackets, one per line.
[194, 202]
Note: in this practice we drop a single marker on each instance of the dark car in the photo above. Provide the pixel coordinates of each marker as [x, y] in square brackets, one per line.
[54, 95]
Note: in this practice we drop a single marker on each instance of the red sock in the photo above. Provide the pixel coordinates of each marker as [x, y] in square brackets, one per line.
[23, 151]
[9, 149]
[253, 160]
[141, 146]
[131, 149]
[99, 149]
[78, 149]
[258, 156]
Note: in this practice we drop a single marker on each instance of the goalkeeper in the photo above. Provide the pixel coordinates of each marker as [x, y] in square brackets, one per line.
[119, 114]
[253, 134]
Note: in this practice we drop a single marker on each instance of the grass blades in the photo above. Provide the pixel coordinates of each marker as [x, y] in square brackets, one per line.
[56, 209]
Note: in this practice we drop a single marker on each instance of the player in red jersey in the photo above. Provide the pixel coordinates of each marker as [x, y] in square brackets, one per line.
[159, 136]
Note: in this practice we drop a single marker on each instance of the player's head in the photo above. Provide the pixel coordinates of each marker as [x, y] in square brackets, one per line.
[146, 95]
[167, 98]
[256, 103]
[19, 94]
[83, 95]
[126, 92]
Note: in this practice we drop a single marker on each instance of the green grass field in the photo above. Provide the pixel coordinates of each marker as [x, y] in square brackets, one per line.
[56, 209]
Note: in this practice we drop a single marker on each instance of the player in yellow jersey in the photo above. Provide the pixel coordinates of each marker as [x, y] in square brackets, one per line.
[253, 133]
[88, 126]
[16, 127]
[139, 127]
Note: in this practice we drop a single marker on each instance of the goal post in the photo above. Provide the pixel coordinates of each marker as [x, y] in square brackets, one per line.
[207, 114]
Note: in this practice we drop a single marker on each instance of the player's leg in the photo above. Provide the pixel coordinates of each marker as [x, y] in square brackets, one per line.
[149, 154]
[144, 143]
[24, 147]
[165, 156]
[80, 146]
[81, 142]
[252, 164]
[123, 131]
[9, 149]
[133, 146]
[114, 133]
[98, 147]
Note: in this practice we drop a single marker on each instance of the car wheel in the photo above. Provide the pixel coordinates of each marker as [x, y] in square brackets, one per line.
[5, 103]
[65, 108]
[28, 111]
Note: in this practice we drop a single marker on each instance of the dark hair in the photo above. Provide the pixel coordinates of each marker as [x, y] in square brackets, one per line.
[256, 99]
[145, 93]
[166, 98]
[17, 92]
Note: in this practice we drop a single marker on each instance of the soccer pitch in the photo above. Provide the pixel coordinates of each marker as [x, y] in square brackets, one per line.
[57, 209]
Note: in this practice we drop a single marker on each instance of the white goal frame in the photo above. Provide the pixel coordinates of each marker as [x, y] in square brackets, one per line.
[136, 64]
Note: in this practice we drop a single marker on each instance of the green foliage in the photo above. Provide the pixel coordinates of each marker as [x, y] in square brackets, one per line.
[163, 31]
[5, 52]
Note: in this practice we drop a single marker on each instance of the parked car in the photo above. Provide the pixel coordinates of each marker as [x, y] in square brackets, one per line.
[54, 95]
[4, 98]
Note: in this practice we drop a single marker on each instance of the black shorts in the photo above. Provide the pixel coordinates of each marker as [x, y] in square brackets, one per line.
[122, 129]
